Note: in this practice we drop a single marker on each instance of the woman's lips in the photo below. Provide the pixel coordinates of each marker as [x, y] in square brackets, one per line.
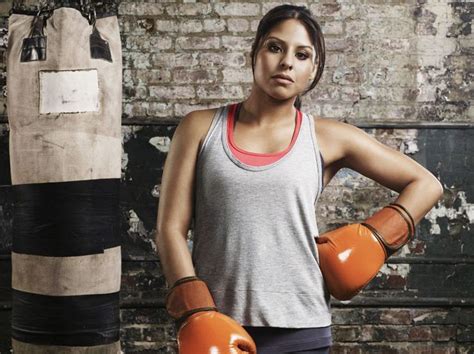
[282, 80]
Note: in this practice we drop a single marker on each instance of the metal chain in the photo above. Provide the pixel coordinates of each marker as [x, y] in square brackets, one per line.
[90, 9]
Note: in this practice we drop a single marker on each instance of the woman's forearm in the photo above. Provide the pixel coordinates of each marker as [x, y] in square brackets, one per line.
[419, 196]
[174, 256]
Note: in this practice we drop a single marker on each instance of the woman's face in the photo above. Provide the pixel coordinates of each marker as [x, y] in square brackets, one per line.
[286, 50]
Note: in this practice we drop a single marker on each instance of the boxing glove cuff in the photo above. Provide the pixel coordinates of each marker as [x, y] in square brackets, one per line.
[188, 295]
[391, 227]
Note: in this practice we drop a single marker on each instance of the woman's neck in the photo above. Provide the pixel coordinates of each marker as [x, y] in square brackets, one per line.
[263, 110]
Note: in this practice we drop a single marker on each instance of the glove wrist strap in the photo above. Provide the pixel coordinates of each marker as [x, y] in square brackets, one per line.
[391, 227]
[187, 296]
[411, 222]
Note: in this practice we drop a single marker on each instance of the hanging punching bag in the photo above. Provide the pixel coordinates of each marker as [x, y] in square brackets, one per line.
[64, 82]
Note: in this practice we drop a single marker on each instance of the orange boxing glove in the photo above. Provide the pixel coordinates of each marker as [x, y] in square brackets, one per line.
[201, 328]
[351, 256]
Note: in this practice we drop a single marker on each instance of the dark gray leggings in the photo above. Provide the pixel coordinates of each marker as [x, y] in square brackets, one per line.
[324, 350]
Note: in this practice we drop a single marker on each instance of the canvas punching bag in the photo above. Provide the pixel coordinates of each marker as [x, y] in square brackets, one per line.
[64, 82]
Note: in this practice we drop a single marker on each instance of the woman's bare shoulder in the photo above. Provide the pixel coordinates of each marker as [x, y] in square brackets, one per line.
[195, 124]
[330, 125]
[332, 136]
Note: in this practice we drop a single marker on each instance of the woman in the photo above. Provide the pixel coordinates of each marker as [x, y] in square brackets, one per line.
[250, 174]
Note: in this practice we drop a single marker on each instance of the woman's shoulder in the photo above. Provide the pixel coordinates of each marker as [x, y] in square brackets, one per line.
[199, 116]
[195, 124]
[334, 136]
[329, 124]
[335, 129]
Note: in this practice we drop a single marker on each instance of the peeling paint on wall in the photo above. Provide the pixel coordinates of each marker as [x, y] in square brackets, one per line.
[410, 146]
[137, 229]
[128, 132]
[399, 269]
[458, 209]
[162, 143]
[155, 192]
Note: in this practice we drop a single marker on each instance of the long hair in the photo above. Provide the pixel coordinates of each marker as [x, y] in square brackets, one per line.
[304, 15]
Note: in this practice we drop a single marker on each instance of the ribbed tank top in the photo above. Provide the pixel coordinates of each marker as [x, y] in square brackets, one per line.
[254, 231]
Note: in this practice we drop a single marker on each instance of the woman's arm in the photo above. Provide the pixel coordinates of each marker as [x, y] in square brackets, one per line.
[189, 301]
[350, 256]
[175, 207]
[353, 148]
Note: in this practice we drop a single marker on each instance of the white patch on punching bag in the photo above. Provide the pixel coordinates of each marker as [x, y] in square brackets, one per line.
[69, 91]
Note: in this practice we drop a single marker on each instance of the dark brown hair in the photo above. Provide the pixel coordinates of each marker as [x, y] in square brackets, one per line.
[304, 15]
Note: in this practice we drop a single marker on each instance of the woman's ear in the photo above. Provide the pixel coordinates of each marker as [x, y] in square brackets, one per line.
[313, 73]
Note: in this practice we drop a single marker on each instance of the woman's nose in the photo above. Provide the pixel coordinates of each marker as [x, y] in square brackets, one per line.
[287, 61]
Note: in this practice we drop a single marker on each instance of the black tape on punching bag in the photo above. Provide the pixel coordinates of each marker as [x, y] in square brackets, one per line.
[66, 218]
[64, 103]
[65, 320]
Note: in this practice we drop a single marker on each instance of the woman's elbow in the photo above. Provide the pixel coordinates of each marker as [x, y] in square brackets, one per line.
[434, 187]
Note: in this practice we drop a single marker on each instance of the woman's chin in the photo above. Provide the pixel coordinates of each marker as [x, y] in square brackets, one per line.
[281, 96]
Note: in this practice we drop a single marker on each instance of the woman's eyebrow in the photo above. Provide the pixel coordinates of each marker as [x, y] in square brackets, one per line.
[281, 40]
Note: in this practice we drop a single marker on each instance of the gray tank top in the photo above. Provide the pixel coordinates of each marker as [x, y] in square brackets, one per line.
[254, 229]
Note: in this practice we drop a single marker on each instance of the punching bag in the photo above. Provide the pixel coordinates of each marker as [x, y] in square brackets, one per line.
[64, 82]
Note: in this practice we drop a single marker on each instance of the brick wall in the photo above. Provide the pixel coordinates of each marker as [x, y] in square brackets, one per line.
[402, 70]
[386, 61]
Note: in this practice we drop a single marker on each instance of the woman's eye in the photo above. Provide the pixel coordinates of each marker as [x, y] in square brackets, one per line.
[303, 56]
[273, 47]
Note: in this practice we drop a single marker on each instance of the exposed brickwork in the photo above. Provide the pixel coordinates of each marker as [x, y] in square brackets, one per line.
[398, 61]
